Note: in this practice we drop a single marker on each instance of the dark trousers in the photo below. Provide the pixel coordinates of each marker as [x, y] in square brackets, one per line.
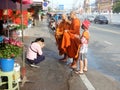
[38, 60]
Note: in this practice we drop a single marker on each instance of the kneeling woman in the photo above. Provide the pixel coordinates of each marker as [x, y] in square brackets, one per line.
[34, 52]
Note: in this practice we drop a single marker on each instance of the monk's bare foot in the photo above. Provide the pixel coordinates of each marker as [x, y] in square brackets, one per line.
[63, 59]
[73, 66]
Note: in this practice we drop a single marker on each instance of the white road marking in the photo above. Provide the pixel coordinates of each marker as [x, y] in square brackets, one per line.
[108, 42]
[107, 30]
[87, 82]
[118, 65]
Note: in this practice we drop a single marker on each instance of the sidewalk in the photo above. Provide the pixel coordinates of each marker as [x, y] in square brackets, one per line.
[54, 75]
[51, 75]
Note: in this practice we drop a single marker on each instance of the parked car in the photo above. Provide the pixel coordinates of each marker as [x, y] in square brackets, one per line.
[91, 18]
[101, 19]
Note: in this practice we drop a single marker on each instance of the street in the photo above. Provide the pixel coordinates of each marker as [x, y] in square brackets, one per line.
[104, 47]
[103, 62]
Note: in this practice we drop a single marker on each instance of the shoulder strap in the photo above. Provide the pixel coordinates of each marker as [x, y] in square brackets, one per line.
[32, 49]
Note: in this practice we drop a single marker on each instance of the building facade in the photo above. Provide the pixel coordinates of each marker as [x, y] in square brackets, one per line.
[86, 6]
[104, 6]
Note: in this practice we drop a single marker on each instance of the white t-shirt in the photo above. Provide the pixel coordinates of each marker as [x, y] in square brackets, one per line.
[84, 47]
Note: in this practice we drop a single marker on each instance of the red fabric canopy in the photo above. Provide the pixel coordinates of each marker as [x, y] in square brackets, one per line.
[25, 1]
[9, 4]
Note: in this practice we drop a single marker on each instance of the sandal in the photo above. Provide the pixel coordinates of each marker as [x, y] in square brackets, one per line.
[78, 72]
[33, 65]
[85, 70]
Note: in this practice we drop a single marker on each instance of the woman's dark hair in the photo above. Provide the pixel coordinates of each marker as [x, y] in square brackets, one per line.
[39, 39]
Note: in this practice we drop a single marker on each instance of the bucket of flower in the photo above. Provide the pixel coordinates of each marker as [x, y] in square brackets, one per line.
[9, 50]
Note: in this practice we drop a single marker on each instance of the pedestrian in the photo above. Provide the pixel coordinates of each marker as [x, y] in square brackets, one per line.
[63, 25]
[35, 53]
[42, 16]
[70, 42]
[84, 48]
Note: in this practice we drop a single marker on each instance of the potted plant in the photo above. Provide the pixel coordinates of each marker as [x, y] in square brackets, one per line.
[9, 50]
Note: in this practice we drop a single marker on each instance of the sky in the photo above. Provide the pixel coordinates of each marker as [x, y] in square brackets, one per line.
[68, 4]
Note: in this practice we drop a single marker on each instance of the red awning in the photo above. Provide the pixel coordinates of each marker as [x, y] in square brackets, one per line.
[9, 4]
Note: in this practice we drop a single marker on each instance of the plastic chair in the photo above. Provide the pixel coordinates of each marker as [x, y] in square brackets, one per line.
[12, 84]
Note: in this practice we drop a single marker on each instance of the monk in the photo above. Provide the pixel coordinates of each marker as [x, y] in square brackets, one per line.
[70, 42]
[59, 35]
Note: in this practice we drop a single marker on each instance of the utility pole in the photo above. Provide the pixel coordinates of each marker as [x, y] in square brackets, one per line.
[52, 4]
[110, 11]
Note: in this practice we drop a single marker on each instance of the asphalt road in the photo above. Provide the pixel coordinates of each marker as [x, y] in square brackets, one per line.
[104, 50]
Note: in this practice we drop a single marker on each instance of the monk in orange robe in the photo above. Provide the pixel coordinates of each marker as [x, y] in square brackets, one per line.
[59, 35]
[70, 42]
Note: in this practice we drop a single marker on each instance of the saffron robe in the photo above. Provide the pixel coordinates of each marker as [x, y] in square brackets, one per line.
[59, 35]
[71, 43]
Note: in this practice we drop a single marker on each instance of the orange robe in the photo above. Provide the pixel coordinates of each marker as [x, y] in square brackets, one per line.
[59, 35]
[70, 42]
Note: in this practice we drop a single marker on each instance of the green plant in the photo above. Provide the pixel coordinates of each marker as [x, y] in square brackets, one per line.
[10, 48]
[116, 6]
[16, 27]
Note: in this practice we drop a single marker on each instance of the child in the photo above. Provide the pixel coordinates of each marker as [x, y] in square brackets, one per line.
[84, 47]
[34, 53]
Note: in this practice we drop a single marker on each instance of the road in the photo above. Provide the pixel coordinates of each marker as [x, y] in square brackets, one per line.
[104, 50]
[113, 18]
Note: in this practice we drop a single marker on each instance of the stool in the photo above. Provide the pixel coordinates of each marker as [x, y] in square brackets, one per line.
[11, 81]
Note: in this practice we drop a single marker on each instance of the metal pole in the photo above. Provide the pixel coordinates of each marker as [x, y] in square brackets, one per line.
[7, 18]
[23, 60]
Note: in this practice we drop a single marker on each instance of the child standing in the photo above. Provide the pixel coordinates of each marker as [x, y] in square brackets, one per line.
[84, 47]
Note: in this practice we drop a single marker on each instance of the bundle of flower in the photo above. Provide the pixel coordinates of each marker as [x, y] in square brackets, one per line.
[10, 48]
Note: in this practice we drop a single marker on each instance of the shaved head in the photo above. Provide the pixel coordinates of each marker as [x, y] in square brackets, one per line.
[72, 14]
[63, 16]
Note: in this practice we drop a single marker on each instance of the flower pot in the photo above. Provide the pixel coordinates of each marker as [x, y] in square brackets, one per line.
[7, 65]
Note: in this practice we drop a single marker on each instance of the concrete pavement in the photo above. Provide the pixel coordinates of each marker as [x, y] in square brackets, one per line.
[55, 75]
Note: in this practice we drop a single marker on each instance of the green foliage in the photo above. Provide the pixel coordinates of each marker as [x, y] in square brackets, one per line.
[10, 49]
[16, 27]
[49, 9]
[116, 7]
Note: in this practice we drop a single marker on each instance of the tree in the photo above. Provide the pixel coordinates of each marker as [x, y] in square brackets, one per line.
[116, 7]
[49, 9]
